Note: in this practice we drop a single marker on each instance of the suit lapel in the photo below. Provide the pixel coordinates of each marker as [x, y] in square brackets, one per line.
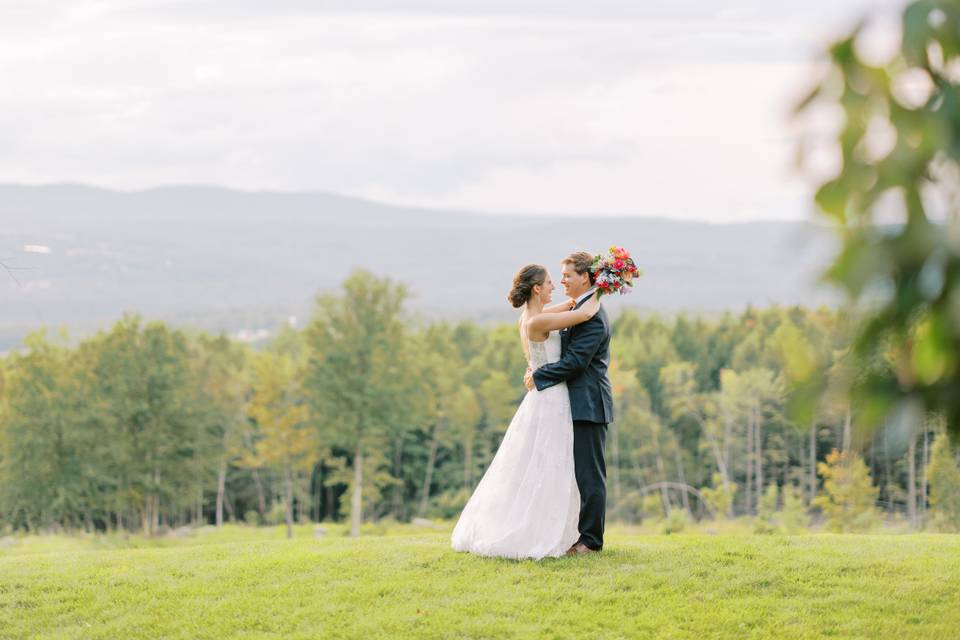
[565, 333]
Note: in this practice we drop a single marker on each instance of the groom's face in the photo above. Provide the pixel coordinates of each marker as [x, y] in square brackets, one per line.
[574, 284]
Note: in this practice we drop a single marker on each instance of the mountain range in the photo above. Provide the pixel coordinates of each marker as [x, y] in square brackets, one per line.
[245, 261]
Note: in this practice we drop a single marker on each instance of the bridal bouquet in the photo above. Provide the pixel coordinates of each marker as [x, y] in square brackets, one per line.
[615, 271]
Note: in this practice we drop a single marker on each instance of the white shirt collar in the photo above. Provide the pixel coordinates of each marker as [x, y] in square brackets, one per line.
[586, 295]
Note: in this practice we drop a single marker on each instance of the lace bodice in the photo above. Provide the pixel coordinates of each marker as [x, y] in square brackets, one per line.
[544, 352]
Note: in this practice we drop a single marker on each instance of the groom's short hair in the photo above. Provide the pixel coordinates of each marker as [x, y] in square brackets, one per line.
[581, 262]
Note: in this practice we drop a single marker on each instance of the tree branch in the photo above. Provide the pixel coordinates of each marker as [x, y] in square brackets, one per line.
[10, 271]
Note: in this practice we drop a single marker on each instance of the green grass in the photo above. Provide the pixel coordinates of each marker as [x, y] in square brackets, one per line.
[253, 583]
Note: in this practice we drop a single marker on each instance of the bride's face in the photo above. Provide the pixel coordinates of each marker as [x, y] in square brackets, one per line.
[546, 290]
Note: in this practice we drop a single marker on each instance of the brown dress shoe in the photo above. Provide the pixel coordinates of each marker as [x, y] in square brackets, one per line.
[578, 549]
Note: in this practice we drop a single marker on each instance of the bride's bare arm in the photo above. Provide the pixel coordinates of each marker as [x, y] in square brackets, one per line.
[523, 342]
[563, 306]
[547, 322]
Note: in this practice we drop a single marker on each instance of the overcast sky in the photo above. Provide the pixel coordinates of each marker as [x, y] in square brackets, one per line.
[675, 108]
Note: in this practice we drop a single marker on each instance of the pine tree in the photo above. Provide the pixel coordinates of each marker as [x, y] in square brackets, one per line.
[848, 495]
[944, 476]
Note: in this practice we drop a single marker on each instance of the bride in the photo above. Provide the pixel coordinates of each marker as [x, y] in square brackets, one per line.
[527, 503]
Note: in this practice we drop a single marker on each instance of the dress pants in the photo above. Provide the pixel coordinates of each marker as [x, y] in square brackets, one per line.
[591, 472]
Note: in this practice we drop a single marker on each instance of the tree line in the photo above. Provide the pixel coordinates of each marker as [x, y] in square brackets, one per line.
[366, 414]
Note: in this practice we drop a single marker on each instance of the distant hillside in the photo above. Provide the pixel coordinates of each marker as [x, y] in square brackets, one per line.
[227, 259]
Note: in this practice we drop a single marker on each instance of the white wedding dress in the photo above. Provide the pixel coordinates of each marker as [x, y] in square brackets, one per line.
[527, 504]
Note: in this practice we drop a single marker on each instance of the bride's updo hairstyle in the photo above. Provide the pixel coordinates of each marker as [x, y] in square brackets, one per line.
[523, 283]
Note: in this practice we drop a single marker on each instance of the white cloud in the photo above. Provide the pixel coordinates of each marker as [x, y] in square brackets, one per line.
[658, 108]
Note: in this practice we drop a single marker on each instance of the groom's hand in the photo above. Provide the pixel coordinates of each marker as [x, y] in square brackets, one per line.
[528, 379]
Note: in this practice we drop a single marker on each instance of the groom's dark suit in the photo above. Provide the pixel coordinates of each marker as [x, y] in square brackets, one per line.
[585, 356]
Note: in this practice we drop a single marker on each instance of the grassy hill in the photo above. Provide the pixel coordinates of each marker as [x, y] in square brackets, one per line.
[252, 583]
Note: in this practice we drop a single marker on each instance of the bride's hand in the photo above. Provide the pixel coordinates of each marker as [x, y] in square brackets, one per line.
[592, 305]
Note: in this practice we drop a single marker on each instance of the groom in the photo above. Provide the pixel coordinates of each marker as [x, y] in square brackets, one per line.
[583, 366]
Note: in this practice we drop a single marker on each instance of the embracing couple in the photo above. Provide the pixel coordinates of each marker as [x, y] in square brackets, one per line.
[544, 493]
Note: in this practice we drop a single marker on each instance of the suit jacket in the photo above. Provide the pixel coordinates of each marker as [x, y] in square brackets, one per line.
[583, 363]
